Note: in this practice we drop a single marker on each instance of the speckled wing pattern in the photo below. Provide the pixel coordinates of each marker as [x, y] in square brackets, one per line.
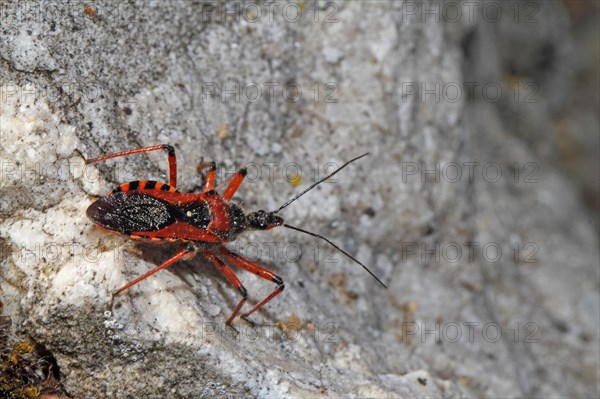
[128, 212]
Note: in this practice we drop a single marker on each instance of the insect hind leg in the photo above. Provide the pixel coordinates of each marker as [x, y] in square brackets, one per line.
[170, 153]
[185, 253]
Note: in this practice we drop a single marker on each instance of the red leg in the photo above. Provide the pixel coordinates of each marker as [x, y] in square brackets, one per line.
[185, 253]
[232, 279]
[211, 176]
[170, 151]
[260, 271]
[235, 184]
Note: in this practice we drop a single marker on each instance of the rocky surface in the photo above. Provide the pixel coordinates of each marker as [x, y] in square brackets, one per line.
[466, 207]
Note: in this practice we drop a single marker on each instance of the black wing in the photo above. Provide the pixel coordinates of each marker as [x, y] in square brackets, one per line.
[131, 212]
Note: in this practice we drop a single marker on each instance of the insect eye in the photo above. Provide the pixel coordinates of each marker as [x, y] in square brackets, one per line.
[262, 219]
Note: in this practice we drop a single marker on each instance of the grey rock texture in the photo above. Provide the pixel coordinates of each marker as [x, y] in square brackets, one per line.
[467, 207]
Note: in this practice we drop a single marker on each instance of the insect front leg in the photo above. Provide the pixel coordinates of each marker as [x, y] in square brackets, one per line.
[170, 153]
[260, 271]
[232, 279]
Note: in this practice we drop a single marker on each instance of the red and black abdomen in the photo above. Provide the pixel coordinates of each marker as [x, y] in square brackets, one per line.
[156, 211]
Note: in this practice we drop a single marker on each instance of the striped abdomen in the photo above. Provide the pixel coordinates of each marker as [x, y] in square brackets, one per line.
[156, 211]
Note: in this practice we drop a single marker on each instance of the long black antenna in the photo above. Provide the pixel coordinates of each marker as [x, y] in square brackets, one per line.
[317, 183]
[318, 235]
[336, 246]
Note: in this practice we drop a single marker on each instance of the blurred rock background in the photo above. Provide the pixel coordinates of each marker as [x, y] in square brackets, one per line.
[478, 205]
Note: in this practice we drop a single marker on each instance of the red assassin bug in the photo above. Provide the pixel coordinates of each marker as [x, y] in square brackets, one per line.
[150, 210]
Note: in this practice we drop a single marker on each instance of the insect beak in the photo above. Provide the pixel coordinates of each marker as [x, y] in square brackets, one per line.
[274, 221]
